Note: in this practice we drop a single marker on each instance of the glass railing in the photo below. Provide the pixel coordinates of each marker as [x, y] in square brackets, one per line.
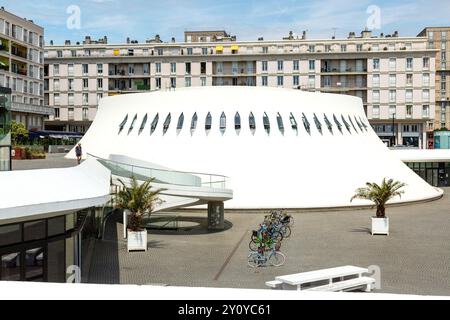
[162, 176]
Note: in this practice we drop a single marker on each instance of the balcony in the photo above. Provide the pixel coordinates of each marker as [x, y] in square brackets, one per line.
[29, 108]
[19, 51]
[344, 86]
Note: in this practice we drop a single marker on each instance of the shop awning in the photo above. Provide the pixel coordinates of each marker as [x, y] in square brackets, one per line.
[234, 47]
[219, 48]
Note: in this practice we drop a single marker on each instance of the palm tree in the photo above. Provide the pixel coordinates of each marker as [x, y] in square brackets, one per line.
[380, 194]
[139, 199]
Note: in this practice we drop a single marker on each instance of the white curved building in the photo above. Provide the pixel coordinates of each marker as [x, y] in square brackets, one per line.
[281, 148]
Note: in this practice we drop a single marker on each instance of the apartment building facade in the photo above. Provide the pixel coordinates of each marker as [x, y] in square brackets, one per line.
[394, 76]
[22, 69]
[439, 39]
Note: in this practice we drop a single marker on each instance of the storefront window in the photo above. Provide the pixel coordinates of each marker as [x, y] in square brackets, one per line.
[34, 264]
[10, 268]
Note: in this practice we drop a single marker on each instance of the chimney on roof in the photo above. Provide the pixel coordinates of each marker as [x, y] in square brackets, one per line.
[157, 38]
[304, 35]
[395, 34]
[67, 43]
[382, 35]
[261, 39]
[128, 40]
[87, 40]
[366, 33]
[351, 35]
[51, 42]
[173, 39]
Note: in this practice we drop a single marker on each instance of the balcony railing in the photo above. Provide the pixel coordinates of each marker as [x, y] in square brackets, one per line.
[346, 70]
[29, 108]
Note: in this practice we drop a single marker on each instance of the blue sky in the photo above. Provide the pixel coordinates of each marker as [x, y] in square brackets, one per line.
[249, 19]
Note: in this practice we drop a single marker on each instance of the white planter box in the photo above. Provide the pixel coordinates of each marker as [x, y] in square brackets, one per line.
[380, 226]
[137, 240]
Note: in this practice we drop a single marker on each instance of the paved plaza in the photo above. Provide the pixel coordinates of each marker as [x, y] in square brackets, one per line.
[414, 259]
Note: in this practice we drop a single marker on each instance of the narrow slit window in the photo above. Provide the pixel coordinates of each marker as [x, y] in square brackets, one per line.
[237, 121]
[345, 123]
[132, 124]
[194, 122]
[293, 122]
[144, 122]
[123, 123]
[280, 123]
[359, 124]
[353, 125]
[328, 123]
[266, 123]
[318, 124]
[208, 122]
[338, 124]
[154, 124]
[252, 122]
[167, 123]
[180, 122]
[223, 122]
[306, 123]
[363, 123]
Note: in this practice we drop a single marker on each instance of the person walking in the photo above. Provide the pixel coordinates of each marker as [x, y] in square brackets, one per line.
[79, 152]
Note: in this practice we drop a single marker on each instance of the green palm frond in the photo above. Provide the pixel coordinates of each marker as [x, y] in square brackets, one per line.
[380, 194]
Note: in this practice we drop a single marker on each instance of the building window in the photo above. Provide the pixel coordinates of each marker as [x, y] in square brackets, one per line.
[146, 67]
[99, 83]
[312, 82]
[203, 67]
[280, 81]
[187, 82]
[71, 82]
[56, 86]
[311, 48]
[376, 111]
[426, 63]
[265, 49]
[173, 67]
[296, 65]
[158, 83]
[376, 96]
[426, 95]
[188, 67]
[85, 114]
[392, 80]
[56, 113]
[85, 83]
[56, 69]
[189, 51]
[409, 64]
[203, 81]
[343, 48]
[392, 64]
[59, 54]
[280, 65]
[392, 95]
[85, 98]
[219, 67]
[409, 79]
[392, 110]
[71, 99]
[57, 99]
[376, 64]
[160, 52]
[204, 51]
[312, 65]
[85, 69]
[425, 111]
[173, 82]
[264, 65]
[295, 80]
[70, 70]
[99, 96]
[409, 111]
[426, 79]
[376, 80]
[70, 114]
[99, 69]
[158, 67]
[409, 95]
[264, 81]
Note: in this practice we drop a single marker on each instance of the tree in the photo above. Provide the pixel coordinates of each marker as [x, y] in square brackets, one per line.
[18, 132]
[140, 199]
[380, 194]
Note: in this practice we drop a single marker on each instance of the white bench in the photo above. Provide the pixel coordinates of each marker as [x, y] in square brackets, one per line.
[337, 279]
[365, 283]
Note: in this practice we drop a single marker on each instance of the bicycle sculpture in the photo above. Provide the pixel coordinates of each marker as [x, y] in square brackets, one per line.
[265, 243]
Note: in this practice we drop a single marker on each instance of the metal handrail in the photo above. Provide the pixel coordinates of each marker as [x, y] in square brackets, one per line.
[220, 178]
